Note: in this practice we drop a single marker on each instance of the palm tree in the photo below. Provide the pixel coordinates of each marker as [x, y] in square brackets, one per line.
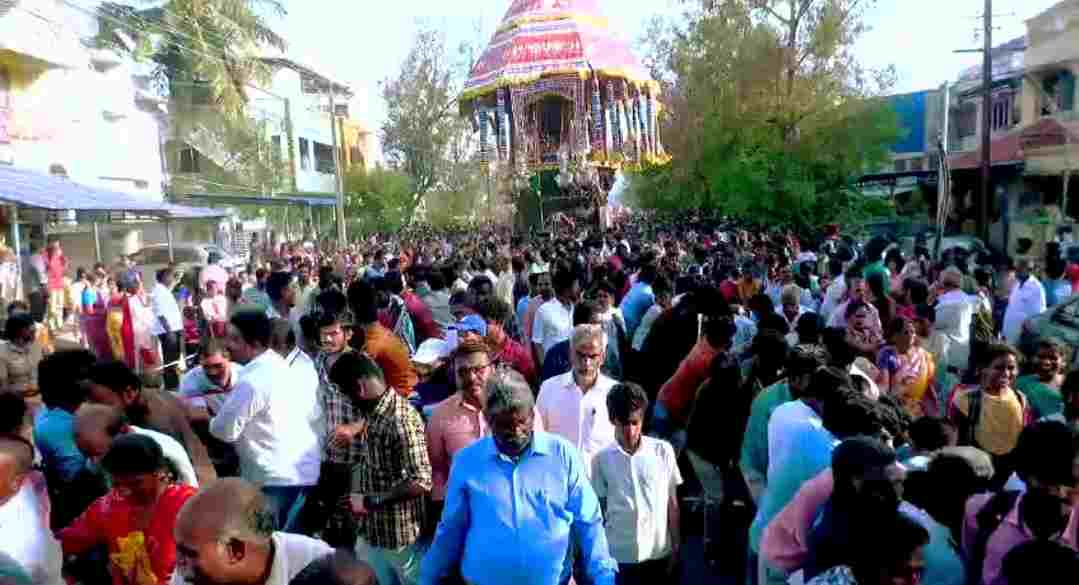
[207, 50]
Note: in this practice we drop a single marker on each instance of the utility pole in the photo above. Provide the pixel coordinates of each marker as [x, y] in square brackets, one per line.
[342, 235]
[987, 113]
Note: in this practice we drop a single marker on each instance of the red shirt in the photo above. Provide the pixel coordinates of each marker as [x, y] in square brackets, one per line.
[55, 265]
[515, 355]
[678, 393]
[110, 521]
[422, 319]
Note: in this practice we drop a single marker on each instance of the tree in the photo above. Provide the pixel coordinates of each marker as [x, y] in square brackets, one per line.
[422, 122]
[379, 200]
[762, 101]
[206, 50]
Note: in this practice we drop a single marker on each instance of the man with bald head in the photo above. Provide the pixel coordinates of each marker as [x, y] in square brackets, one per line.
[24, 523]
[97, 425]
[225, 536]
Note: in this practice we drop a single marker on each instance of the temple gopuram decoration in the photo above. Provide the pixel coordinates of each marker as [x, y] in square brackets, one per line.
[560, 105]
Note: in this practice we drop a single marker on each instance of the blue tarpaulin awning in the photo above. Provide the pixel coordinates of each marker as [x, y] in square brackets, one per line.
[310, 200]
[36, 190]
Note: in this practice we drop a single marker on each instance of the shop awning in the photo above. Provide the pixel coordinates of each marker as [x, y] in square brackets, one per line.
[309, 199]
[27, 188]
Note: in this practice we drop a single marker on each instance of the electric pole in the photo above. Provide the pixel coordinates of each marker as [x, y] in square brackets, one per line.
[987, 113]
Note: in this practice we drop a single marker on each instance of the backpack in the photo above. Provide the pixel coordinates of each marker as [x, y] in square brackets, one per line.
[987, 521]
[982, 327]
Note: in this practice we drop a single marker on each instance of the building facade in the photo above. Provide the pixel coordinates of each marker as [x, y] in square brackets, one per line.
[107, 136]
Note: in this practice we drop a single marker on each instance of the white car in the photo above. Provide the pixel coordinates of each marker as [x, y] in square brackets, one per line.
[188, 256]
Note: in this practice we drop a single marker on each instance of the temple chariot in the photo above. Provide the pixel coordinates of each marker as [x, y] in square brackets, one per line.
[561, 105]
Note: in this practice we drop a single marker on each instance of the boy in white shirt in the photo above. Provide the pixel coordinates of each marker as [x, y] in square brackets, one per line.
[636, 479]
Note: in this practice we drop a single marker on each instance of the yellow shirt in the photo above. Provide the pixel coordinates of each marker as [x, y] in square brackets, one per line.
[1000, 423]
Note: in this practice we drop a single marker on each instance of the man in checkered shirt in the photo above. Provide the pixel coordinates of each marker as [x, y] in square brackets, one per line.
[391, 475]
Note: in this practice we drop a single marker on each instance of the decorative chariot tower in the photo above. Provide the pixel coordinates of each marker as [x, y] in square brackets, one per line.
[560, 105]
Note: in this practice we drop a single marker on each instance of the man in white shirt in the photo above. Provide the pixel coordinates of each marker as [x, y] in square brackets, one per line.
[574, 405]
[636, 479]
[25, 537]
[206, 387]
[224, 537]
[274, 418]
[954, 313]
[168, 325]
[554, 319]
[1027, 300]
[97, 426]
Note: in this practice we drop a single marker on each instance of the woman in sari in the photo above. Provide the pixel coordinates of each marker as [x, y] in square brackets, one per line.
[906, 371]
[1042, 388]
[135, 520]
[119, 323]
[863, 334]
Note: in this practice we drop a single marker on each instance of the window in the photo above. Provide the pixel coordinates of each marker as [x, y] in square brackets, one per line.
[901, 165]
[305, 155]
[1060, 88]
[967, 120]
[934, 162]
[340, 110]
[324, 158]
[1001, 114]
[275, 147]
[187, 255]
[189, 160]
[917, 164]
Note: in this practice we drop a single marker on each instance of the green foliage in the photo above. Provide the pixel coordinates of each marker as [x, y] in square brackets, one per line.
[769, 117]
[425, 138]
[421, 113]
[380, 200]
[206, 50]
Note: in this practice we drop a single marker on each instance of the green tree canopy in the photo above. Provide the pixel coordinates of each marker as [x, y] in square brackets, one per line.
[769, 116]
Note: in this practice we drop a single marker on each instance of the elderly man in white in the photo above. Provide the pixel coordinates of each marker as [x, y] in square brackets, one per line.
[1027, 300]
[954, 312]
[574, 405]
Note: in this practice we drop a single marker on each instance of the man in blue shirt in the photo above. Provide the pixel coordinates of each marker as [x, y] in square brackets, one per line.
[515, 501]
[61, 377]
[639, 299]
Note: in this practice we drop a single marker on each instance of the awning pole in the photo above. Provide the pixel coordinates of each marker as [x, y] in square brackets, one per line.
[17, 241]
[168, 239]
[97, 243]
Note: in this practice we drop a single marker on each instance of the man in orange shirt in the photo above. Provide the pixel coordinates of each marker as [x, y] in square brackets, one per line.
[378, 342]
[675, 399]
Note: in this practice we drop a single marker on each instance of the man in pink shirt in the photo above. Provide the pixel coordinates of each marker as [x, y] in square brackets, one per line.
[1048, 459]
[55, 266]
[458, 421]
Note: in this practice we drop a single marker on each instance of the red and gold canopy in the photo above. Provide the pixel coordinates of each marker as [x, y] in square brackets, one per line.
[539, 38]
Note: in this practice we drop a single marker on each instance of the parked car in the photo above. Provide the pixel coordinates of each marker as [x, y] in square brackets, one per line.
[188, 256]
[1061, 322]
[969, 244]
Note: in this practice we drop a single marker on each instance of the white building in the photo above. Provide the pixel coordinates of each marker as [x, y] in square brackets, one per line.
[69, 110]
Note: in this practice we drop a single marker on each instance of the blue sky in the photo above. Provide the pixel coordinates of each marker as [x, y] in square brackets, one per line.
[364, 42]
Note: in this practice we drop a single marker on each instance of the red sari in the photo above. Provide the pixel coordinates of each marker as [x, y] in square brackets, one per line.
[120, 328]
[136, 557]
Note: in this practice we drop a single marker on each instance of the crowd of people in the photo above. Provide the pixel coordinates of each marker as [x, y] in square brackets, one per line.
[485, 407]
